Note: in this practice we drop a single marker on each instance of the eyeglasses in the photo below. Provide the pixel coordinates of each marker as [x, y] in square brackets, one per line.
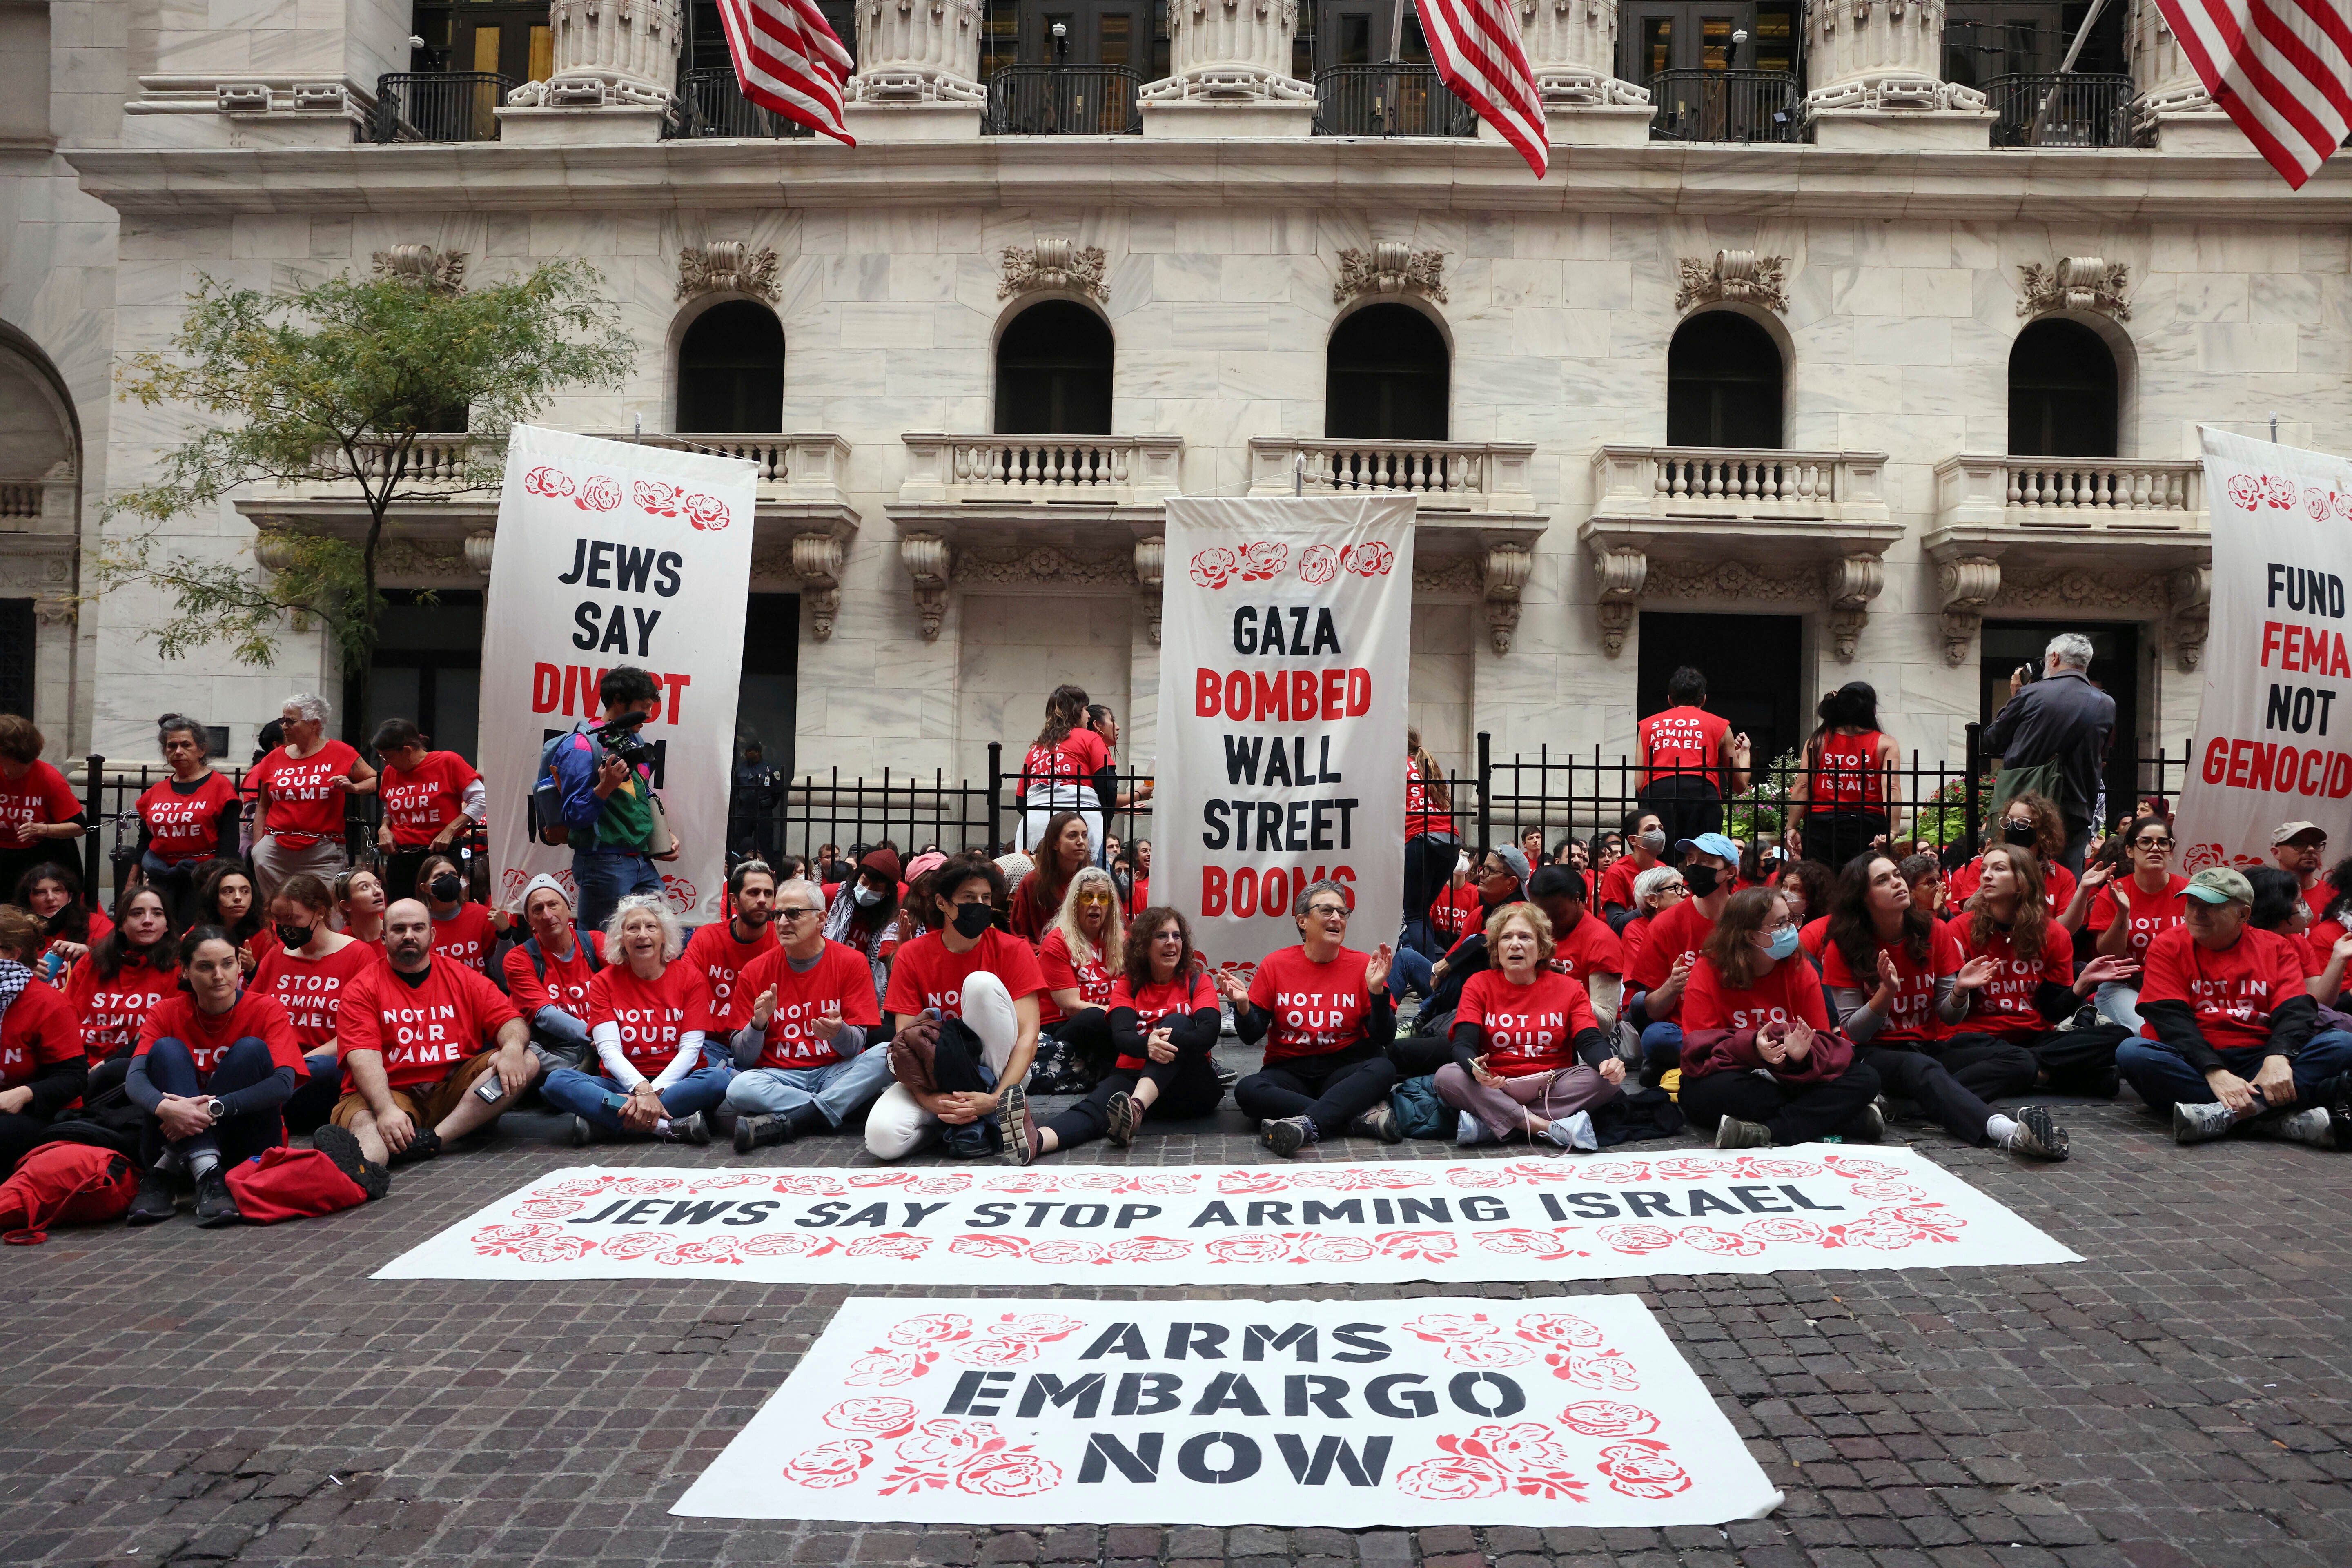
[2017, 821]
[794, 914]
[1339, 909]
[2151, 843]
[1093, 900]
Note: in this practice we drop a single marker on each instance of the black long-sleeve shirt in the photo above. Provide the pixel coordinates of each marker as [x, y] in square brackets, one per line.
[1195, 1032]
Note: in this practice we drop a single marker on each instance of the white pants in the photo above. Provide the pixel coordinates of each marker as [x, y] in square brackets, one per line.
[897, 1126]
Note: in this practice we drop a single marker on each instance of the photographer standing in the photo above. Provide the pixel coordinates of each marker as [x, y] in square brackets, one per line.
[609, 811]
[2053, 737]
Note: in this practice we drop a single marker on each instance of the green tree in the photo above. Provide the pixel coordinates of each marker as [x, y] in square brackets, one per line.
[334, 382]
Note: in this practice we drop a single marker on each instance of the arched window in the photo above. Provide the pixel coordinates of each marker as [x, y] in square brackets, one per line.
[2062, 392]
[1053, 371]
[1387, 376]
[1723, 383]
[730, 371]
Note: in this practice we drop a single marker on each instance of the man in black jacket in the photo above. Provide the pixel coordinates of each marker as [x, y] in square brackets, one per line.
[2062, 719]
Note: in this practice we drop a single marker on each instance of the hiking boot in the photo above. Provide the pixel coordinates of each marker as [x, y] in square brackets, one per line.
[761, 1132]
[155, 1201]
[1469, 1132]
[1869, 1123]
[1020, 1135]
[215, 1206]
[2038, 1134]
[1122, 1110]
[1733, 1133]
[426, 1145]
[1287, 1135]
[342, 1147]
[1573, 1132]
[1380, 1123]
[2313, 1125]
[690, 1128]
[2200, 1123]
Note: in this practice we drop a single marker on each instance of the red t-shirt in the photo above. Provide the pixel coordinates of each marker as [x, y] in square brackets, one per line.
[1590, 949]
[1682, 740]
[467, 936]
[2152, 914]
[1617, 882]
[312, 990]
[1139, 896]
[1529, 1028]
[653, 1016]
[567, 982]
[1180, 998]
[1791, 990]
[1315, 1008]
[423, 1030]
[209, 1036]
[715, 954]
[2232, 993]
[1678, 931]
[1911, 1018]
[1076, 760]
[41, 795]
[1633, 939]
[419, 804]
[181, 828]
[2004, 1005]
[41, 1029]
[1419, 816]
[926, 974]
[1091, 980]
[840, 980]
[99, 928]
[1848, 776]
[2057, 885]
[1456, 912]
[303, 807]
[112, 1010]
[1815, 936]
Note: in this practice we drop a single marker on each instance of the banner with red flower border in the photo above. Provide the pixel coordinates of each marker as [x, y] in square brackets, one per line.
[610, 553]
[1286, 653]
[1537, 1217]
[1572, 1410]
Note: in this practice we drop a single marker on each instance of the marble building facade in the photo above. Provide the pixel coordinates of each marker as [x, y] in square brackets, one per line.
[948, 575]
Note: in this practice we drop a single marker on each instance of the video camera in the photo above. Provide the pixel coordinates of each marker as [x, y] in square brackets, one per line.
[620, 739]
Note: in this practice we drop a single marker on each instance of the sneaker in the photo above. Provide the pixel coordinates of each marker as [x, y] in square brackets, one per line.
[1733, 1133]
[761, 1132]
[2313, 1126]
[340, 1145]
[2040, 1137]
[155, 1201]
[426, 1145]
[582, 1134]
[1469, 1132]
[691, 1129]
[1380, 1123]
[1020, 1134]
[1124, 1116]
[1227, 1077]
[2200, 1123]
[1574, 1132]
[1869, 1123]
[216, 1204]
[1286, 1136]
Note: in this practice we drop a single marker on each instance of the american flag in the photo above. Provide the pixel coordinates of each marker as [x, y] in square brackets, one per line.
[2282, 68]
[789, 61]
[1475, 45]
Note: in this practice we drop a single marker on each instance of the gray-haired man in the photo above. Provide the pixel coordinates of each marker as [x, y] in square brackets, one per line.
[2060, 719]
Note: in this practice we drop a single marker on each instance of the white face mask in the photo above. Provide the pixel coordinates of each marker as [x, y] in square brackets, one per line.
[867, 897]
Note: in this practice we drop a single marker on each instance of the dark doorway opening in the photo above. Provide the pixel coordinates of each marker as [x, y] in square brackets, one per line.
[730, 371]
[2062, 392]
[427, 666]
[1053, 372]
[1723, 383]
[18, 633]
[1754, 666]
[2115, 669]
[764, 721]
[1386, 377]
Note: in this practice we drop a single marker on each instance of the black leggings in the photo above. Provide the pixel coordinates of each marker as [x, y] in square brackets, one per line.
[1686, 805]
[2080, 1060]
[1952, 1085]
[1328, 1090]
[1188, 1089]
[1429, 863]
[1796, 1112]
[1418, 1056]
[1834, 837]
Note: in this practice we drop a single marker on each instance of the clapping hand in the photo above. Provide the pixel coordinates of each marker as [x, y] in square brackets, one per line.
[1976, 972]
[1376, 970]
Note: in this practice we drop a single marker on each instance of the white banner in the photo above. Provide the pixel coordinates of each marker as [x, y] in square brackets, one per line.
[610, 553]
[1287, 629]
[2271, 731]
[1813, 1207]
[1437, 1410]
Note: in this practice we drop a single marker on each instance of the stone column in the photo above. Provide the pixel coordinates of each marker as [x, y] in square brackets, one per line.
[1878, 63]
[2173, 108]
[918, 71]
[1572, 46]
[1229, 65]
[616, 59]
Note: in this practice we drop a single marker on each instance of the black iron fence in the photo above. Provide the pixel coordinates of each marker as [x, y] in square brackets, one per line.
[1389, 100]
[2054, 110]
[1725, 106]
[710, 104]
[439, 106]
[1064, 100]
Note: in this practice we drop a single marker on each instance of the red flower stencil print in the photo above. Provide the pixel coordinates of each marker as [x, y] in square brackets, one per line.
[829, 1464]
[1492, 1461]
[601, 493]
[1372, 560]
[1643, 1468]
[2245, 491]
[882, 1414]
[2278, 492]
[553, 483]
[1607, 1418]
[1263, 561]
[706, 513]
[1317, 563]
[1214, 567]
[656, 498]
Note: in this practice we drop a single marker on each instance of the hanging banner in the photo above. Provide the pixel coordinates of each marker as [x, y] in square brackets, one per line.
[2273, 740]
[1286, 636]
[608, 553]
[1431, 1410]
[1812, 1206]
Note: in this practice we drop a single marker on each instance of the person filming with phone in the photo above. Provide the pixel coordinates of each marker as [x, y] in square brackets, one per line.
[611, 819]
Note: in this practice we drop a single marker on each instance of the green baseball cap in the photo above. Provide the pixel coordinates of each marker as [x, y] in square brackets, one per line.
[2222, 885]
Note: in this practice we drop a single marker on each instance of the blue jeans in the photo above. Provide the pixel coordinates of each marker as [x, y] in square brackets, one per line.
[2118, 1003]
[171, 1067]
[606, 876]
[839, 1089]
[2163, 1077]
[583, 1094]
[1661, 1047]
[1408, 970]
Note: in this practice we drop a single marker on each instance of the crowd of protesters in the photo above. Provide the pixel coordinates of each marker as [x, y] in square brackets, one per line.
[250, 981]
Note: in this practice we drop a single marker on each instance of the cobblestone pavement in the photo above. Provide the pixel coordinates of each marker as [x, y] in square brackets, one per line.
[177, 1395]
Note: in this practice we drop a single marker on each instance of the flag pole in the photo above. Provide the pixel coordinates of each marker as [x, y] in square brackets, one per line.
[1396, 32]
[2074, 52]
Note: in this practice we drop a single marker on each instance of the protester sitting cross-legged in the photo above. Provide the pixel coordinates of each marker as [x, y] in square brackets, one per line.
[548, 973]
[419, 1036]
[720, 951]
[129, 972]
[1530, 1058]
[1078, 954]
[1323, 1010]
[309, 971]
[1757, 1050]
[963, 1013]
[2229, 1034]
[2128, 912]
[1673, 945]
[647, 1016]
[2020, 980]
[2032, 823]
[213, 1068]
[2280, 906]
[44, 1066]
[1893, 973]
[805, 1031]
[69, 925]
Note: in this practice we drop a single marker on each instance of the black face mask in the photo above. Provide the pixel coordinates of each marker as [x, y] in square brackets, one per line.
[971, 920]
[446, 887]
[2018, 833]
[1701, 879]
[294, 936]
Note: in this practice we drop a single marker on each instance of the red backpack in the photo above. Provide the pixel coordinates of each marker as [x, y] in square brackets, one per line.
[64, 1183]
[291, 1183]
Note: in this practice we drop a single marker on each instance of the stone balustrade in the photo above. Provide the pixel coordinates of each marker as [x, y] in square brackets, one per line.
[1106, 470]
[1473, 476]
[1703, 481]
[790, 460]
[2163, 494]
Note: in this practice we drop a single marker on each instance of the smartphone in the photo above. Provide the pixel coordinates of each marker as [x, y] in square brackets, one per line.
[491, 1089]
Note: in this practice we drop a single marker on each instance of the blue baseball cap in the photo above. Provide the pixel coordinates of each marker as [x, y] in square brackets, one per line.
[1713, 844]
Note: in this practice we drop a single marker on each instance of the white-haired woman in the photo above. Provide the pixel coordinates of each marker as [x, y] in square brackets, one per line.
[1530, 1058]
[298, 791]
[1655, 891]
[646, 1016]
[1081, 954]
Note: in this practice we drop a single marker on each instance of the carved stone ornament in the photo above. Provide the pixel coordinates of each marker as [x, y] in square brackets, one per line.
[56, 609]
[817, 561]
[2076, 283]
[1391, 266]
[1965, 586]
[727, 266]
[1463, 578]
[2076, 589]
[929, 561]
[1736, 277]
[1852, 582]
[1507, 570]
[423, 265]
[272, 550]
[1619, 575]
[1040, 565]
[410, 558]
[1151, 573]
[1730, 580]
[1054, 264]
[2189, 594]
[479, 548]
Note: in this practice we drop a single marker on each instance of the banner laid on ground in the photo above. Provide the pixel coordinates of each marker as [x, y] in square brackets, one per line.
[1812, 1206]
[2272, 731]
[1438, 1410]
[1286, 636]
[610, 553]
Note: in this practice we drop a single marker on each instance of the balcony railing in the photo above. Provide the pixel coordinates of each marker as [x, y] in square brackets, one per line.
[792, 459]
[439, 106]
[2055, 111]
[1064, 100]
[1722, 483]
[1725, 106]
[1389, 100]
[1465, 475]
[710, 104]
[1103, 470]
[2072, 493]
